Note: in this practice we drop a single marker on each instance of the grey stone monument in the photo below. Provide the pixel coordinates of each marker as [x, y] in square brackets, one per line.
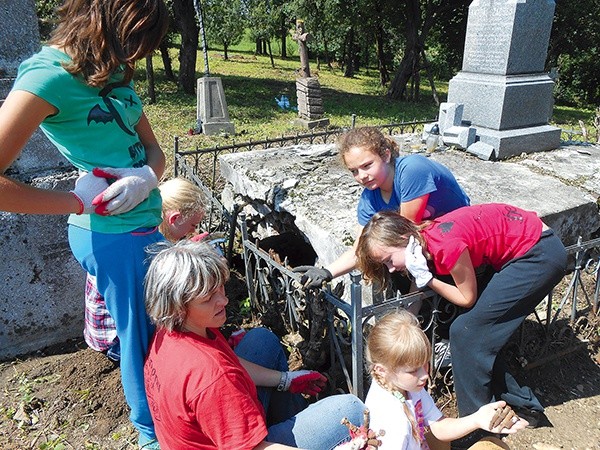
[506, 94]
[308, 89]
[212, 115]
[41, 284]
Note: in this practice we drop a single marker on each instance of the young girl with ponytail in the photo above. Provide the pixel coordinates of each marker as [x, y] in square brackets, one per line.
[398, 354]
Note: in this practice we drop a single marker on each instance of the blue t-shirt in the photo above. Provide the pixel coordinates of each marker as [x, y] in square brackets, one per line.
[415, 176]
[94, 127]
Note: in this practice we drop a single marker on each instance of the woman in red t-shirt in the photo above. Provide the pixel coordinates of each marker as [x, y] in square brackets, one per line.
[528, 258]
[202, 394]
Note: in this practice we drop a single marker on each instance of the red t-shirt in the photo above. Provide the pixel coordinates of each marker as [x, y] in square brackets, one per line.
[494, 233]
[200, 396]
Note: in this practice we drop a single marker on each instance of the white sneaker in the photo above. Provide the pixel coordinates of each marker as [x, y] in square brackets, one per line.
[441, 351]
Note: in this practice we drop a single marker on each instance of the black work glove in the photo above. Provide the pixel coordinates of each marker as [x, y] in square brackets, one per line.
[313, 277]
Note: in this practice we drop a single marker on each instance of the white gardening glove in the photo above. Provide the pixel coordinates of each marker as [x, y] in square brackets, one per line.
[130, 188]
[87, 187]
[416, 263]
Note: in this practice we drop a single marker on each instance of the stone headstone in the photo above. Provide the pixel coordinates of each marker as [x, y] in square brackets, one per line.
[310, 103]
[308, 89]
[41, 284]
[506, 94]
[211, 112]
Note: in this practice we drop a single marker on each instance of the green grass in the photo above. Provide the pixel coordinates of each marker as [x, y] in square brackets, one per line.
[251, 84]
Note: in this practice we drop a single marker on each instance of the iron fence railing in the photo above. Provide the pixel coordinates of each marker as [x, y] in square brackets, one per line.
[348, 322]
[329, 324]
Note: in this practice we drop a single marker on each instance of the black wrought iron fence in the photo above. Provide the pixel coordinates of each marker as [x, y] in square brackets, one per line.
[331, 327]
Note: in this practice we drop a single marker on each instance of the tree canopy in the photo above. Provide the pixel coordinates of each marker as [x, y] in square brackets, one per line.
[403, 41]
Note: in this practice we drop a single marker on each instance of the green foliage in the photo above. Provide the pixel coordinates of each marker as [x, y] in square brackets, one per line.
[45, 10]
[245, 307]
[579, 78]
[224, 21]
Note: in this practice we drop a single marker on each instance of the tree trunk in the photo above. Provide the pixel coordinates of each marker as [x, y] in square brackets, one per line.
[384, 75]
[150, 78]
[348, 54]
[166, 59]
[326, 51]
[185, 17]
[436, 99]
[410, 60]
[225, 56]
[270, 54]
[397, 89]
[284, 33]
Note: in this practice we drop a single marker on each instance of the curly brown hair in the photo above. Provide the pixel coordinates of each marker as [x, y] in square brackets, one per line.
[367, 138]
[105, 36]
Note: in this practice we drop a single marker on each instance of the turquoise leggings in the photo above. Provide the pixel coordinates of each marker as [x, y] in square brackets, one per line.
[119, 262]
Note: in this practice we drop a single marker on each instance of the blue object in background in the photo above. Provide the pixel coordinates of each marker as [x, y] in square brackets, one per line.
[283, 102]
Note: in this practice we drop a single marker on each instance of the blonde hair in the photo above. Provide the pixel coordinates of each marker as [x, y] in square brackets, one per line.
[390, 229]
[103, 36]
[397, 341]
[369, 139]
[183, 196]
[179, 273]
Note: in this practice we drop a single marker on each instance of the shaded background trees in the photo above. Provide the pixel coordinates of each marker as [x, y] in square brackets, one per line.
[403, 41]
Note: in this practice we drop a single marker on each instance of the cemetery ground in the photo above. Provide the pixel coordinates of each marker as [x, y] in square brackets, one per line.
[70, 397]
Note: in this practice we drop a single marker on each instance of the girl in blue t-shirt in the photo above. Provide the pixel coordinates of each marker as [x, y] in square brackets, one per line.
[415, 186]
[78, 90]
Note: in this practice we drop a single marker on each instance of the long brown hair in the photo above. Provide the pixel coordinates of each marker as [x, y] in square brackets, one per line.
[370, 139]
[103, 36]
[390, 229]
[397, 341]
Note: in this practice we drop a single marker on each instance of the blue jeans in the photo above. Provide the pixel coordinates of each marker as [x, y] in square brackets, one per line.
[119, 263]
[477, 336]
[290, 421]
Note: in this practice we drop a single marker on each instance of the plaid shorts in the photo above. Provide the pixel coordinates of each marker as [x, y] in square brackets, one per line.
[100, 332]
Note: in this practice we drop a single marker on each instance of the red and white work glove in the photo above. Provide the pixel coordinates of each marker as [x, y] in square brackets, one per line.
[416, 263]
[87, 187]
[307, 382]
[131, 187]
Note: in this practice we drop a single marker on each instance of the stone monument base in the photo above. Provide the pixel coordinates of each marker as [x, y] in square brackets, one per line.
[503, 102]
[509, 143]
[311, 123]
[211, 128]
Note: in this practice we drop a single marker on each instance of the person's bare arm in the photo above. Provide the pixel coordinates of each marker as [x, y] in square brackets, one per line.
[261, 375]
[415, 208]
[20, 115]
[465, 292]
[448, 429]
[155, 155]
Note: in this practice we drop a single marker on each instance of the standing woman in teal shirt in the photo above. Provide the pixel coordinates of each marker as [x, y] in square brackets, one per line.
[78, 90]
